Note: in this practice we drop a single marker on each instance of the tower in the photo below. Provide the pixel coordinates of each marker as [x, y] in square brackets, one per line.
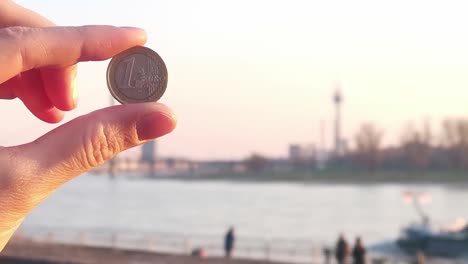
[337, 100]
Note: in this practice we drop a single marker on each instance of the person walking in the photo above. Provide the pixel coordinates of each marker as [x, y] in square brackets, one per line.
[229, 242]
[341, 250]
[327, 253]
[359, 252]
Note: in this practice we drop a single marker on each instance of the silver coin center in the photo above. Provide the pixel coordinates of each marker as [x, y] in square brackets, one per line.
[138, 76]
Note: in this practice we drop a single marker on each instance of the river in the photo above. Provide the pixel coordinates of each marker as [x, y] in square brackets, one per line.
[316, 212]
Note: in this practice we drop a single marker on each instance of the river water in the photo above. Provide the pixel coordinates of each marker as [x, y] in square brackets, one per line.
[280, 220]
[312, 212]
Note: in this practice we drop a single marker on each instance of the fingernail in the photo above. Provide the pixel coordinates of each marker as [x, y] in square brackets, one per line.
[73, 87]
[138, 34]
[74, 92]
[155, 125]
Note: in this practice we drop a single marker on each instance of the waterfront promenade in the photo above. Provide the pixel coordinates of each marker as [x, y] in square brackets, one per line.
[23, 251]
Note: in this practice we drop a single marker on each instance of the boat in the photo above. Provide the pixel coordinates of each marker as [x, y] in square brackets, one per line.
[450, 241]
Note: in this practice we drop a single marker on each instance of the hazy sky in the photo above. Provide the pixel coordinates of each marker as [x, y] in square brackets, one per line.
[255, 75]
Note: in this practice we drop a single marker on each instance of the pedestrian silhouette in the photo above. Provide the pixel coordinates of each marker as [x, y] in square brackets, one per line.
[341, 250]
[327, 253]
[229, 242]
[359, 252]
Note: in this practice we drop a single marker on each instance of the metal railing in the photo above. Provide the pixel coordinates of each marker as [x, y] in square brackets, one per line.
[285, 250]
[297, 251]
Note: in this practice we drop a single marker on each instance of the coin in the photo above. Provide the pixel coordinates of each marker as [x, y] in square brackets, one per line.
[137, 75]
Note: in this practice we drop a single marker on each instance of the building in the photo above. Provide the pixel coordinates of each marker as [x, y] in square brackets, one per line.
[294, 152]
[148, 152]
[302, 154]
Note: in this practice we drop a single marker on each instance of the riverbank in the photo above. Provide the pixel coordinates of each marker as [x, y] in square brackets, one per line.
[23, 251]
[335, 176]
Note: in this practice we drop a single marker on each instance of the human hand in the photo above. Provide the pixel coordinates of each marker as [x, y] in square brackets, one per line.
[38, 67]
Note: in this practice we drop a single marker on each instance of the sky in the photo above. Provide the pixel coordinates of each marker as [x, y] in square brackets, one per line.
[256, 75]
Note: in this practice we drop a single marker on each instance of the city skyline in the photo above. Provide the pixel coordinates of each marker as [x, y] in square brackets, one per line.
[259, 83]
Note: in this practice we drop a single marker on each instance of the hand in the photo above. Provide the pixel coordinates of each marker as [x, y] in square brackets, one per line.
[38, 67]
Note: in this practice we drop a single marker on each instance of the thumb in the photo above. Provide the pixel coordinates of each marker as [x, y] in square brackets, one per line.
[83, 143]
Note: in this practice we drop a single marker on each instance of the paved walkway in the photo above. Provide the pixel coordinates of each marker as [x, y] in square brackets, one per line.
[28, 252]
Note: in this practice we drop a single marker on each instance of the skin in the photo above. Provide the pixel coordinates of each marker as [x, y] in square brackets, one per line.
[38, 62]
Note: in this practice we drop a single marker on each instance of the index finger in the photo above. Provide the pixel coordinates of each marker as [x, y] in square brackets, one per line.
[23, 48]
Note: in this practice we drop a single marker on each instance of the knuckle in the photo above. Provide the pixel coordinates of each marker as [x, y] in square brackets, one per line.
[100, 145]
[6, 179]
[95, 44]
[13, 37]
[6, 183]
[14, 180]
[10, 38]
[13, 33]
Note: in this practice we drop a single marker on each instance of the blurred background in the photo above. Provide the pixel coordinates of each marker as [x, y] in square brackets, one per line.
[298, 121]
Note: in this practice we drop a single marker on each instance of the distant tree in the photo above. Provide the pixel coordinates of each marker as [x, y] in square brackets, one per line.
[455, 141]
[256, 162]
[416, 145]
[392, 157]
[368, 146]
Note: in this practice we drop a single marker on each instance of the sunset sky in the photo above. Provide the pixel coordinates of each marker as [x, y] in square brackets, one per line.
[256, 75]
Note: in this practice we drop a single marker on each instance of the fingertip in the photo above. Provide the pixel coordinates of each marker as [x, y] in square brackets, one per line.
[51, 116]
[154, 125]
[136, 34]
[60, 86]
[157, 119]
[165, 110]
